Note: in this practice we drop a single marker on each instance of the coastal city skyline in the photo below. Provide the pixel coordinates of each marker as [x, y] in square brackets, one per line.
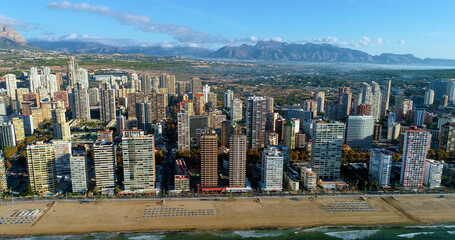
[169, 134]
[404, 27]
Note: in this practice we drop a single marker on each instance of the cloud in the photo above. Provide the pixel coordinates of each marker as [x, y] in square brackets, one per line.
[7, 21]
[401, 42]
[181, 33]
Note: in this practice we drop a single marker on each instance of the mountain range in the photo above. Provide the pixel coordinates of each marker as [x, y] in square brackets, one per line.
[263, 50]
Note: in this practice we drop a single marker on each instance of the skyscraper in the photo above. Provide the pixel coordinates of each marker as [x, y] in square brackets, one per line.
[104, 159]
[429, 97]
[62, 154]
[71, 72]
[11, 85]
[255, 122]
[108, 110]
[319, 97]
[199, 105]
[226, 133]
[237, 161]
[441, 87]
[447, 137]
[269, 102]
[327, 140]
[209, 160]
[81, 106]
[359, 131]
[139, 163]
[228, 97]
[433, 173]
[416, 145]
[19, 131]
[196, 85]
[41, 167]
[183, 131]
[272, 170]
[236, 111]
[7, 135]
[380, 166]
[385, 97]
[78, 165]
[289, 134]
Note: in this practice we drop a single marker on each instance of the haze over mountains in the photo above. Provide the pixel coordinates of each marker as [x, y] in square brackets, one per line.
[263, 50]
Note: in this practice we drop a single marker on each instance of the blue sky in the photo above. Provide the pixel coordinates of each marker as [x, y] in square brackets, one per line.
[423, 28]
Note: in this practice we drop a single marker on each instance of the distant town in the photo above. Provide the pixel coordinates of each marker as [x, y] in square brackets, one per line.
[77, 131]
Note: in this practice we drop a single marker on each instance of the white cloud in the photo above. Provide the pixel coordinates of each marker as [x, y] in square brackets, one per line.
[180, 33]
[7, 21]
[401, 42]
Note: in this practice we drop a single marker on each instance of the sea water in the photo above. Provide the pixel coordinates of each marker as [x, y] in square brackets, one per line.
[440, 231]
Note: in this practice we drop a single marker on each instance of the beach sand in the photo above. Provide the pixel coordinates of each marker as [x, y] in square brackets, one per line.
[108, 216]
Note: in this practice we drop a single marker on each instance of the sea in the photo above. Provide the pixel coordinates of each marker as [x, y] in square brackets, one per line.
[439, 231]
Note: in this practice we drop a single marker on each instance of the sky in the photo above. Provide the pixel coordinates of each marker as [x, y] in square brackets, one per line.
[423, 28]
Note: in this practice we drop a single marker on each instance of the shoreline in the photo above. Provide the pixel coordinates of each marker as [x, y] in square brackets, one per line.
[73, 218]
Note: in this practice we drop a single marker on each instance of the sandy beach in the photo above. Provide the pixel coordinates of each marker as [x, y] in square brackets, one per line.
[107, 216]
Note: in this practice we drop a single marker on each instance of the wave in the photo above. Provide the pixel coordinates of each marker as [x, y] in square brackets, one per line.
[451, 232]
[258, 234]
[411, 235]
[352, 235]
[147, 237]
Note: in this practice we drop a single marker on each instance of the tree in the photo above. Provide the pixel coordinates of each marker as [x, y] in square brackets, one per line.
[7, 164]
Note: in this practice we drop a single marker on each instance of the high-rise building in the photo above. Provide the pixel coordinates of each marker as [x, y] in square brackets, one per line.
[289, 134]
[62, 96]
[237, 161]
[416, 145]
[71, 72]
[104, 159]
[226, 132]
[7, 135]
[327, 140]
[236, 112]
[319, 97]
[371, 95]
[95, 94]
[81, 106]
[139, 163]
[11, 85]
[269, 104]
[441, 87]
[380, 166]
[3, 182]
[35, 79]
[209, 160]
[19, 131]
[199, 106]
[62, 154]
[359, 131]
[309, 178]
[108, 110]
[105, 135]
[385, 97]
[433, 173]
[404, 106]
[447, 137]
[255, 122]
[310, 105]
[79, 180]
[28, 124]
[228, 97]
[212, 101]
[181, 87]
[206, 92]
[429, 97]
[183, 131]
[41, 167]
[272, 170]
[196, 85]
